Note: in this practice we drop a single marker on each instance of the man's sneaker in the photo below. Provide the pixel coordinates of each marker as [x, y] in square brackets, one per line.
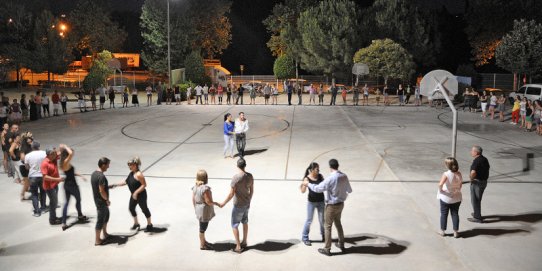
[55, 222]
[307, 242]
[324, 251]
[36, 214]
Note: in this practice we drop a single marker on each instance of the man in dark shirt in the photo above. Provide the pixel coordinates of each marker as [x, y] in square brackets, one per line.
[100, 191]
[479, 173]
[334, 91]
[289, 90]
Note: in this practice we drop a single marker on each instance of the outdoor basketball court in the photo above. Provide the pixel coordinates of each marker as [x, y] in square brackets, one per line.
[392, 155]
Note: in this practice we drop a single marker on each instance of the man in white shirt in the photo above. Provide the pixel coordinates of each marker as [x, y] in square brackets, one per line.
[198, 94]
[206, 93]
[241, 127]
[33, 162]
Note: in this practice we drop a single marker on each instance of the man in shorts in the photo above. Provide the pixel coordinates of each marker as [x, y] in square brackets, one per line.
[242, 190]
[100, 191]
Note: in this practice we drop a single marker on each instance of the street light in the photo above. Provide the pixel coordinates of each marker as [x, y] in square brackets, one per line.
[168, 48]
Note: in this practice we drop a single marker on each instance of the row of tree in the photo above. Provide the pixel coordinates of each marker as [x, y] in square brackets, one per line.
[31, 35]
[198, 28]
[323, 36]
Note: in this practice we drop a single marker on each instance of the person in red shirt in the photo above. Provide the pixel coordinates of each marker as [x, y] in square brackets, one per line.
[55, 98]
[51, 178]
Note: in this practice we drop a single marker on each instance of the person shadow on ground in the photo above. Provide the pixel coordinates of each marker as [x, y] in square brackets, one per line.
[524, 219]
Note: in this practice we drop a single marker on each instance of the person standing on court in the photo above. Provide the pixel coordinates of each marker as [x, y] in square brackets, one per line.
[70, 185]
[337, 187]
[228, 136]
[202, 200]
[479, 173]
[51, 178]
[334, 90]
[32, 162]
[242, 190]
[100, 192]
[289, 91]
[137, 186]
[316, 201]
[241, 128]
[449, 195]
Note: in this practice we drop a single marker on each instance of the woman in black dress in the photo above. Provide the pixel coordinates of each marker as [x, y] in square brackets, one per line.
[33, 109]
[137, 184]
[70, 184]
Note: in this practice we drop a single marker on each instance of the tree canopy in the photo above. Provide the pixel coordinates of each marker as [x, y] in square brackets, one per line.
[99, 71]
[194, 69]
[92, 29]
[520, 50]
[489, 20]
[328, 36]
[49, 50]
[403, 22]
[284, 67]
[194, 25]
[386, 59]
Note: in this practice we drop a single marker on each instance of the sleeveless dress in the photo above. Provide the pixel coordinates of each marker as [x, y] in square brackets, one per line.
[204, 212]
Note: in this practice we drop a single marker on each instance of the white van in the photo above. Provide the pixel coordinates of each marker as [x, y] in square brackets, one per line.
[531, 91]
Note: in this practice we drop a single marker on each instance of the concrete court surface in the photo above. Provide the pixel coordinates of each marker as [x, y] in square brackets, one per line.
[392, 155]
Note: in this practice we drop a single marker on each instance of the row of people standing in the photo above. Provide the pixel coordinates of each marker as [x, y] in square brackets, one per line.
[37, 106]
[527, 114]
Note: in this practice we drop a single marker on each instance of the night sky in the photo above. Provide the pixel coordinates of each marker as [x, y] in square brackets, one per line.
[249, 36]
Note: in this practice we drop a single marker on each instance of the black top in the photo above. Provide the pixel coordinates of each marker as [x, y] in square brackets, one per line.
[528, 112]
[17, 152]
[132, 182]
[70, 177]
[96, 179]
[481, 166]
[313, 196]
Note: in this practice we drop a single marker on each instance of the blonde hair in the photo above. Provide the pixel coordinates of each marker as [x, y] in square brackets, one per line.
[135, 160]
[201, 177]
[451, 164]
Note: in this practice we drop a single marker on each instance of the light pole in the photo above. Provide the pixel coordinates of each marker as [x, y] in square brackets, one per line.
[168, 48]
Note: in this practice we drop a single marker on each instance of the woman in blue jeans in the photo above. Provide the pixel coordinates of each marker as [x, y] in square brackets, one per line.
[70, 185]
[315, 201]
[449, 194]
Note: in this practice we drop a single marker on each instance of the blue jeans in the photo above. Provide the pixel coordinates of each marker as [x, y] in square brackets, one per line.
[53, 201]
[319, 206]
[36, 189]
[446, 208]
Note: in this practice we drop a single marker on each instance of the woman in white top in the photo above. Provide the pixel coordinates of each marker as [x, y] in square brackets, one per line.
[275, 92]
[492, 105]
[449, 194]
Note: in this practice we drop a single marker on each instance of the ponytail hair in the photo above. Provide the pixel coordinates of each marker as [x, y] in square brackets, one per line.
[311, 166]
[226, 116]
[451, 164]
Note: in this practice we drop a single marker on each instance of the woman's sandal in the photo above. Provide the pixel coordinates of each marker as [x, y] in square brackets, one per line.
[238, 251]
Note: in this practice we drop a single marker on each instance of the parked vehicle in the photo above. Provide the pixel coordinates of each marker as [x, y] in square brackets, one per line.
[531, 91]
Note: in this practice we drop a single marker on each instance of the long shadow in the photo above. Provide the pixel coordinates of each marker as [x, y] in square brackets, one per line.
[388, 247]
[527, 218]
[157, 229]
[253, 152]
[267, 246]
[118, 239]
[491, 232]
[77, 222]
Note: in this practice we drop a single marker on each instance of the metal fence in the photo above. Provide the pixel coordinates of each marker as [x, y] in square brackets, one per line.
[496, 80]
[305, 79]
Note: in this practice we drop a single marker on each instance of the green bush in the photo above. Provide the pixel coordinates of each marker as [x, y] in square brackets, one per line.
[284, 67]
